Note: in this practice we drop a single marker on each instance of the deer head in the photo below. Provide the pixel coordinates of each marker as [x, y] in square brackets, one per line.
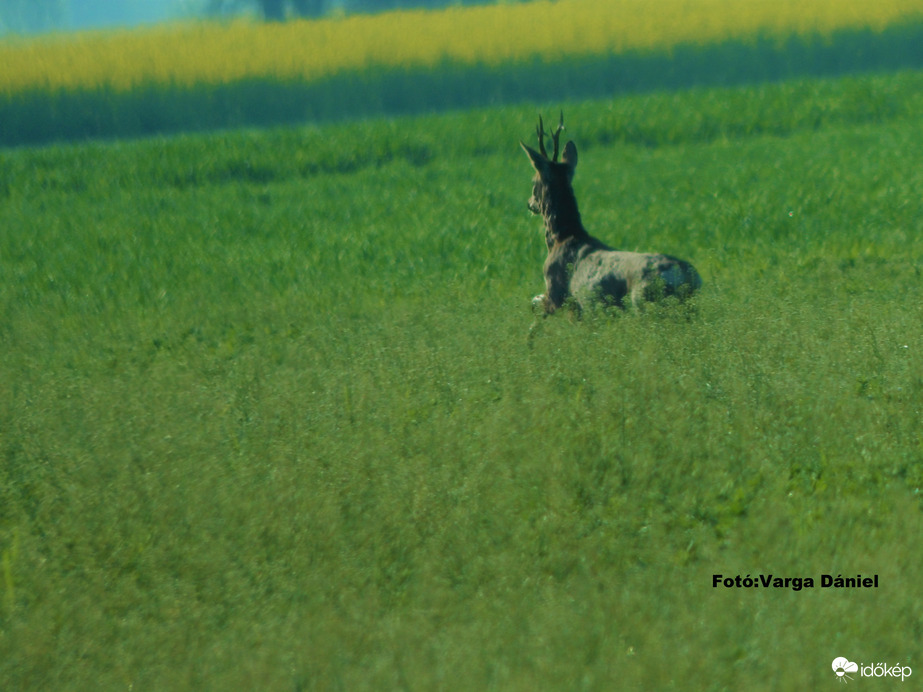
[552, 194]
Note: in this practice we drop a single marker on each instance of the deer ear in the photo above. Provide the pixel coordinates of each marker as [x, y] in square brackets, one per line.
[539, 162]
[570, 156]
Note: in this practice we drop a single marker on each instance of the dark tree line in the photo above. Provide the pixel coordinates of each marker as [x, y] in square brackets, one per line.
[279, 10]
[34, 16]
[274, 10]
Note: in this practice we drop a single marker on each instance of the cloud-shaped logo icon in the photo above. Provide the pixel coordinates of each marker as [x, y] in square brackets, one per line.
[841, 666]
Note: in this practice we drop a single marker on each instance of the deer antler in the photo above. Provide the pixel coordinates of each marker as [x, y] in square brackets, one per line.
[540, 131]
[555, 136]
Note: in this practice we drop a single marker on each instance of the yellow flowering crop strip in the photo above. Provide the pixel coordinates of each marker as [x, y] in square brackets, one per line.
[198, 53]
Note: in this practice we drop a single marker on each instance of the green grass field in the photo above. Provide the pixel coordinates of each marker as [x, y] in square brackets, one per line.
[271, 416]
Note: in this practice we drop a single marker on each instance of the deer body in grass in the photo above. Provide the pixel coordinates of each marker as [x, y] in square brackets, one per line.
[580, 267]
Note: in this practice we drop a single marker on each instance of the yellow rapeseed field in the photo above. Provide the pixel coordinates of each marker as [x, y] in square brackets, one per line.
[199, 53]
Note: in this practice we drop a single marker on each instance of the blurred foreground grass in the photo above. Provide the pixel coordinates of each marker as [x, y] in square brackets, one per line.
[270, 415]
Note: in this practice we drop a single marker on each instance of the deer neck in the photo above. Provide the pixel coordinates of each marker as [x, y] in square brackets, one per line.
[562, 217]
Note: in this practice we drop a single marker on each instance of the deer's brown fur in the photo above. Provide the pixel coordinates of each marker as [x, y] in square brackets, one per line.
[580, 266]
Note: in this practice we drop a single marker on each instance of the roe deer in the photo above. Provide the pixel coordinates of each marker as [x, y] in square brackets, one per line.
[578, 265]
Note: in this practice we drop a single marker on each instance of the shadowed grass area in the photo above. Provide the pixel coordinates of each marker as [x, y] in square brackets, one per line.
[271, 416]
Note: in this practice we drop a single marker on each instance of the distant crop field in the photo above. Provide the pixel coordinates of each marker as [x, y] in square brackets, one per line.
[218, 75]
[213, 53]
[274, 413]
